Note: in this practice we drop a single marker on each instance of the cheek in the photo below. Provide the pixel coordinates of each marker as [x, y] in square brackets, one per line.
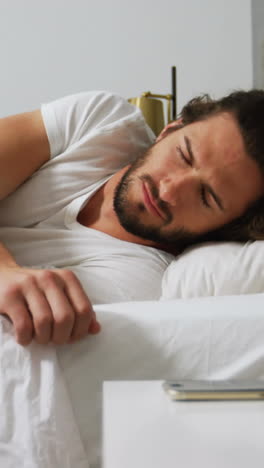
[235, 202]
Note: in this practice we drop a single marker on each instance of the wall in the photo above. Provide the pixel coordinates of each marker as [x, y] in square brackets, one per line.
[53, 48]
[258, 43]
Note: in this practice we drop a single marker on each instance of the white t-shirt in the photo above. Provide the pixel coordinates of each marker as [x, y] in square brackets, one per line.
[92, 135]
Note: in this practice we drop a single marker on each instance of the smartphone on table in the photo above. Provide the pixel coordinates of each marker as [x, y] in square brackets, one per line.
[197, 390]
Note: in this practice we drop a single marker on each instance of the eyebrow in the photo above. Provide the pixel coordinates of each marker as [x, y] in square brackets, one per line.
[208, 187]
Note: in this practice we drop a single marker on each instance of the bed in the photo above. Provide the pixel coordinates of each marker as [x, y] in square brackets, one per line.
[207, 324]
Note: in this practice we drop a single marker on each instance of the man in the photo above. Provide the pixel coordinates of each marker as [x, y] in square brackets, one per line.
[83, 169]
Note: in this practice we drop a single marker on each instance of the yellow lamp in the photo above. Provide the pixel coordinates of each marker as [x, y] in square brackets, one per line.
[151, 106]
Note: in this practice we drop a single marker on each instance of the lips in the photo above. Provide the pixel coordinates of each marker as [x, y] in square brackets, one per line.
[150, 203]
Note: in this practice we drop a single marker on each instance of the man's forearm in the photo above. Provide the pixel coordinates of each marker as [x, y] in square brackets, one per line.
[6, 258]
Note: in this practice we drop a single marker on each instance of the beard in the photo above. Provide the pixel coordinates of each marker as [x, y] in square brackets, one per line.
[128, 216]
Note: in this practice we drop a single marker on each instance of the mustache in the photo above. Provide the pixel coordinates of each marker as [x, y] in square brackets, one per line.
[163, 206]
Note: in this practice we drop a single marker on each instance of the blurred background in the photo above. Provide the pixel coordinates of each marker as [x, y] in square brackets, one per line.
[57, 47]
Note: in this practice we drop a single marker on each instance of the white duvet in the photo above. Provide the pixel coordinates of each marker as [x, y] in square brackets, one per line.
[50, 397]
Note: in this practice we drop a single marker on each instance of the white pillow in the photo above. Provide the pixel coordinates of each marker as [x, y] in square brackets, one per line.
[215, 269]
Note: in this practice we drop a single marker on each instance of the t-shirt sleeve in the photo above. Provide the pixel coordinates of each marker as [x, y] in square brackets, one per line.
[69, 119]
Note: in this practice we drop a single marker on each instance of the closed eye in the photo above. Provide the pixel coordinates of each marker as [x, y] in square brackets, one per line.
[201, 188]
[206, 188]
[203, 197]
[182, 155]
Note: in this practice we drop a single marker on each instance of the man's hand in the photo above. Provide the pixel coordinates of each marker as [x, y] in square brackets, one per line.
[48, 305]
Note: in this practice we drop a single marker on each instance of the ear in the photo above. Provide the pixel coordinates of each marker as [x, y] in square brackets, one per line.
[169, 128]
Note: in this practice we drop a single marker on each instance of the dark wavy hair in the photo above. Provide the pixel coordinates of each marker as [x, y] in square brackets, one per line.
[248, 109]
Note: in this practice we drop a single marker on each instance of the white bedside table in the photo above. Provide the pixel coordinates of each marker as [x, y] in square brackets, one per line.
[143, 428]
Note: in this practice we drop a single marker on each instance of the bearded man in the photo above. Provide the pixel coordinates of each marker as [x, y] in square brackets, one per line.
[93, 207]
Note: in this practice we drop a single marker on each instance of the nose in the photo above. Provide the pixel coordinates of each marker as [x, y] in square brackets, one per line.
[172, 189]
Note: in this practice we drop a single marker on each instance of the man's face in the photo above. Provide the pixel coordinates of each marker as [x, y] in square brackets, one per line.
[192, 181]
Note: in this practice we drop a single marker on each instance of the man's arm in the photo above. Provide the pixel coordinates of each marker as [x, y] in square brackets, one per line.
[49, 305]
[24, 147]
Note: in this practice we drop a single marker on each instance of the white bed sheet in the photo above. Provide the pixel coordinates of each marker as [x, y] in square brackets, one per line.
[206, 338]
[51, 406]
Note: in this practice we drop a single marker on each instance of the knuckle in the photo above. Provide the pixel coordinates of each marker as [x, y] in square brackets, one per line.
[64, 321]
[63, 326]
[68, 275]
[28, 282]
[21, 326]
[47, 276]
[43, 322]
[12, 290]
[84, 310]
[23, 331]
[43, 327]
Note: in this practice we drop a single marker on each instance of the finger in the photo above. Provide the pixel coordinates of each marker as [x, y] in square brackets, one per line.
[62, 311]
[63, 315]
[84, 313]
[41, 315]
[95, 327]
[22, 322]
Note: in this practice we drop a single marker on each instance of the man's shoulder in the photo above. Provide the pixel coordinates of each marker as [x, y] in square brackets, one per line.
[94, 108]
[109, 104]
[97, 99]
